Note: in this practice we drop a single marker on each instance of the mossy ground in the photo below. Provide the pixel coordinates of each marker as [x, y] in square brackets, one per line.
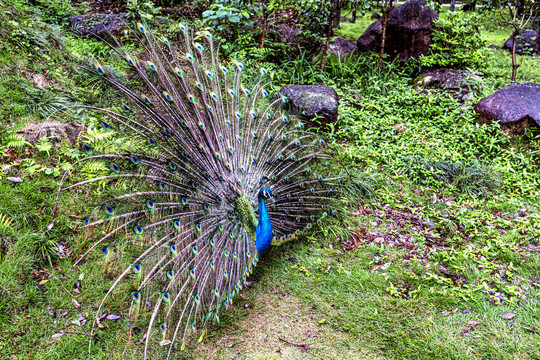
[429, 267]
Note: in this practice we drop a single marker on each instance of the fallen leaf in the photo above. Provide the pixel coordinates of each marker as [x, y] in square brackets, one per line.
[531, 330]
[466, 311]
[293, 259]
[445, 312]
[76, 303]
[103, 315]
[16, 180]
[76, 322]
[77, 287]
[508, 316]
[63, 314]
[113, 317]
[57, 335]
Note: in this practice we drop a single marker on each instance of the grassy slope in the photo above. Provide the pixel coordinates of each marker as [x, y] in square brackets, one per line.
[374, 301]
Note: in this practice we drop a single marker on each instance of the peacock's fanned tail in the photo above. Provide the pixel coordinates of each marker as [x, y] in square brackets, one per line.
[205, 144]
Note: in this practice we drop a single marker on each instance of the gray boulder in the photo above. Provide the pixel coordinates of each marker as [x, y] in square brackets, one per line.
[516, 107]
[313, 101]
[97, 24]
[528, 37]
[342, 47]
[408, 33]
[458, 82]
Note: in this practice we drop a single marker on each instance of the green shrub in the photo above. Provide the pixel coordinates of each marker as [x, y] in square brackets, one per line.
[456, 42]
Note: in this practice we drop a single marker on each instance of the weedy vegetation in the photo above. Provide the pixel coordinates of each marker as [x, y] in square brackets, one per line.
[440, 261]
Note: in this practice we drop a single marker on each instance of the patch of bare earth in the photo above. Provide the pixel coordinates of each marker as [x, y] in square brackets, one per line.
[280, 327]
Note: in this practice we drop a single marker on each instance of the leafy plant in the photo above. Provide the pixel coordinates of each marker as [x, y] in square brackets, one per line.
[44, 145]
[54, 11]
[143, 9]
[224, 15]
[15, 141]
[314, 13]
[456, 42]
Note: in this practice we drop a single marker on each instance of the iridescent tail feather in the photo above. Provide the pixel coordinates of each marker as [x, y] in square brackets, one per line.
[200, 149]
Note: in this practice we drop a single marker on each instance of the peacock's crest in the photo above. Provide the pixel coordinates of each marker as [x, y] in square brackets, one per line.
[214, 172]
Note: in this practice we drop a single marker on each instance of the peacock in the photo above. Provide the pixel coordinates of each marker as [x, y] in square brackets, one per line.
[210, 172]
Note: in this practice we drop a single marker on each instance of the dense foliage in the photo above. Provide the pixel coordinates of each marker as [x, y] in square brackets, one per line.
[457, 42]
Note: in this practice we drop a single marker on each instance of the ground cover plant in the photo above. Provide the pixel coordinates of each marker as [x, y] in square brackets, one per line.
[440, 261]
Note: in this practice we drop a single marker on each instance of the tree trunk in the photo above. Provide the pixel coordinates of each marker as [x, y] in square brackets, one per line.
[383, 36]
[514, 60]
[264, 28]
[337, 14]
[354, 6]
[452, 5]
[333, 4]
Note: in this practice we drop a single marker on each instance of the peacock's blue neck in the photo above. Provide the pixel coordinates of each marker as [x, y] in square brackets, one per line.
[263, 232]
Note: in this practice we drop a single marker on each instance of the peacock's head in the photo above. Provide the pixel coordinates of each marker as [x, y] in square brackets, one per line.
[265, 193]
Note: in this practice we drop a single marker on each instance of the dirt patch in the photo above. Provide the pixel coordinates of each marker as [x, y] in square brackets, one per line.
[274, 317]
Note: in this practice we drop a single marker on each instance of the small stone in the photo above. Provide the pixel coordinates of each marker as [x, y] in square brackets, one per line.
[508, 316]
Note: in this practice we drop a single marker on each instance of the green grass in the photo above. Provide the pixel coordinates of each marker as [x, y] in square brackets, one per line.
[352, 31]
[452, 225]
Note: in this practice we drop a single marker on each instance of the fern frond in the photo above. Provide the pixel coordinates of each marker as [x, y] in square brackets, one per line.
[16, 141]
